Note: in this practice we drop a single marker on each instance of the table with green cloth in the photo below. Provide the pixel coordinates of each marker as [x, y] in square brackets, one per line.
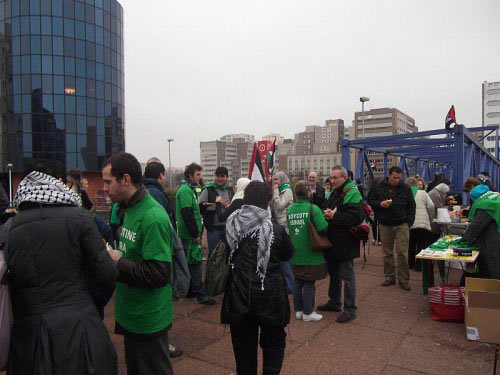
[441, 251]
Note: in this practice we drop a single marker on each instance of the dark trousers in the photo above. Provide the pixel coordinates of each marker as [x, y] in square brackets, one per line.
[245, 336]
[304, 293]
[215, 235]
[342, 271]
[148, 357]
[195, 270]
[286, 269]
[419, 240]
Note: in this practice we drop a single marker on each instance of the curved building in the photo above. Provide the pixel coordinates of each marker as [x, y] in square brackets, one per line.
[62, 81]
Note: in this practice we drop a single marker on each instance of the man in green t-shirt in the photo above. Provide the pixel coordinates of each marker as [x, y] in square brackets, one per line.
[143, 297]
[189, 228]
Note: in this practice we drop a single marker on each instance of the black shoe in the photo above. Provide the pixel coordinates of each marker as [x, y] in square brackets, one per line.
[174, 352]
[388, 283]
[405, 286]
[345, 318]
[328, 307]
[190, 294]
[206, 301]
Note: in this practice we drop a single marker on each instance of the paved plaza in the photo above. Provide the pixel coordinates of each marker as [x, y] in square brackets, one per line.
[393, 334]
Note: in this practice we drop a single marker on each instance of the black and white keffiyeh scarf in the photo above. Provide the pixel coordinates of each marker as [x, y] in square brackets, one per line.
[254, 222]
[41, 188]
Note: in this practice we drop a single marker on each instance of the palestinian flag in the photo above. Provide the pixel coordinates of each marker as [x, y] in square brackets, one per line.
[271, 157]
[256, 172]
[450, 118]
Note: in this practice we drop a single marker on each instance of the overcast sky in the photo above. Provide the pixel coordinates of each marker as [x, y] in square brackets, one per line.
[196, 70]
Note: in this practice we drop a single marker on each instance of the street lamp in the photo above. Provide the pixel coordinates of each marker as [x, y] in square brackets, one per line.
[169, 164]
[11, 200]
[363, 99]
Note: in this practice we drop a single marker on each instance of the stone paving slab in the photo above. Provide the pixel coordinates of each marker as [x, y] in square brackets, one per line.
[393, 334]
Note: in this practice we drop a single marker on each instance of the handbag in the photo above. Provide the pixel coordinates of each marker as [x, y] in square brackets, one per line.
[319, 242]
[217, 270]
[447, 303]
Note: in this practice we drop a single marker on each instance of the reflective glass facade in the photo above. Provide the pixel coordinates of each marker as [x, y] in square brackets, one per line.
[62, 81]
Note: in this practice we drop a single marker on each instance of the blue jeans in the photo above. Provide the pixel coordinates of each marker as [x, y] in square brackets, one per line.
[286, 268]
[342, 271]
[304, 293]
[214, 235]
[196, 285]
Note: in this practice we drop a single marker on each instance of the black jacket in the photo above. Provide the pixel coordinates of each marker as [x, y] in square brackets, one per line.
[402, 209]
[483, 228]
[345, 245]
[55, 255]
[318, 198]
[154, 188]
[235, 205]
[244, 296]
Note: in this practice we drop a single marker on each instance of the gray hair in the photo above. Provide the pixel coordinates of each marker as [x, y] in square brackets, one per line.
[343, 171]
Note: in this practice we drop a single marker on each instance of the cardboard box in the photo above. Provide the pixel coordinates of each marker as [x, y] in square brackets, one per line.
[482, 310]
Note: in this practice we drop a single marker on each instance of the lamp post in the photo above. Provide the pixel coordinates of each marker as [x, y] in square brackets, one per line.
[169, 164]
[11, 201]
[363, 99]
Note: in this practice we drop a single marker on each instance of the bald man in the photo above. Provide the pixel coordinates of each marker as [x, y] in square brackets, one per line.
[316, 192]
[154, 159]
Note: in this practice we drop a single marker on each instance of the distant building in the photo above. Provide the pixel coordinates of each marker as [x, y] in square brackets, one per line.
[233, 137]
[380, 122]
[491, 111]
[320, 139]
[299, 166]
[274, 136]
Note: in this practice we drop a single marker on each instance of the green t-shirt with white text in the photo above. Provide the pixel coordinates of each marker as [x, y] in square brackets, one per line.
[186, 198]
[298, 228]
[146, 235]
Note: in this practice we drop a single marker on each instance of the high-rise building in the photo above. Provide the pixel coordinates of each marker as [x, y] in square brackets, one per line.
[62, 82]
[379, 122]
[233, 137]
[491, 110]
[320, 139]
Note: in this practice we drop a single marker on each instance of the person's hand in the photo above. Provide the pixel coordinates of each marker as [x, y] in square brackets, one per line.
[218, 199]
[114, 254]
[310, 194]
[226, 204]
[197, 240]
[386, 203]
[329, 213]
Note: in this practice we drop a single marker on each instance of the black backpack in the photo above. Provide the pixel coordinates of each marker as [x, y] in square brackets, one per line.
[217, 270]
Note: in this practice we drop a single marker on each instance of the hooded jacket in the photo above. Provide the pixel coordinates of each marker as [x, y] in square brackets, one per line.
[402, 209]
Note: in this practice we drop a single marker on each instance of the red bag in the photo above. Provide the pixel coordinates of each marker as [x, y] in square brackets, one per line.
[447, 303]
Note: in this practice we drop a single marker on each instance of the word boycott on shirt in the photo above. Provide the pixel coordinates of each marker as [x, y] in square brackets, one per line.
[298, 218]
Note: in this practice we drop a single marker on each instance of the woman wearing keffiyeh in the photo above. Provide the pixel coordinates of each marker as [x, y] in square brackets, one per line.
[255, 297]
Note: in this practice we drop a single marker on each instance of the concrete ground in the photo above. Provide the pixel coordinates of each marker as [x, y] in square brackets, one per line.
[393, 334]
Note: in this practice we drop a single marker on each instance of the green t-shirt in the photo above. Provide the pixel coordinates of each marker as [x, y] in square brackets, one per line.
[186, 197]
[146, 235]
[298, 227]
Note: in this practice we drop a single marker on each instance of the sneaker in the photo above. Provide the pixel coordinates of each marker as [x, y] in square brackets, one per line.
[312, 317]
[405, 286]
[174, 352]
[328, 307]
[298, 315]
[206, 301]
[388, 283]
[345, 318]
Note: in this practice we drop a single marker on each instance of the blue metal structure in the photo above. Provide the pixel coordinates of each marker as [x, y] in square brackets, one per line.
[458, 155]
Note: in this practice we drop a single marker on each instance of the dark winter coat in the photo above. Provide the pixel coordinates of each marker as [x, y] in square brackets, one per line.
[244, 296]
[345, 245]
[55, 254]
[154, 188]
[402, 209]
[483, 228]
[318, 198]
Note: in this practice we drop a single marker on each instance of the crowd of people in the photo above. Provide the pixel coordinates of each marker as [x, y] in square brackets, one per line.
[65, 262]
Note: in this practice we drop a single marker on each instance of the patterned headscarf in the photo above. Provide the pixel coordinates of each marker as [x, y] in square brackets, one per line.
[254, 222]
[41, 188]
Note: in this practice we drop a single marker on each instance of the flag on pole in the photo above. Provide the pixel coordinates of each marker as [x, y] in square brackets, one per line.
[450, 118]
[255, 171]
[271, 156]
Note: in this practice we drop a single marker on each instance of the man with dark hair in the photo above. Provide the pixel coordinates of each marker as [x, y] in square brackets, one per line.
[187, 211]
[143, 306]
[58, 264]
[220, 188]
[154, 178]
[394, 205]
[344, 210]
[438, 178]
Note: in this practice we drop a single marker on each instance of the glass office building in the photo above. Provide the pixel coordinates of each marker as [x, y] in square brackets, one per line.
[62, 81]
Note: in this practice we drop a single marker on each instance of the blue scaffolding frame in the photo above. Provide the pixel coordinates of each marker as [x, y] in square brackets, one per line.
[458, 155]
